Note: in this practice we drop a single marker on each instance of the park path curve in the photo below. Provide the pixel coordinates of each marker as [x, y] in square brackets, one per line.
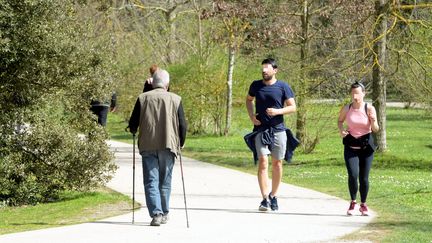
[222, 206]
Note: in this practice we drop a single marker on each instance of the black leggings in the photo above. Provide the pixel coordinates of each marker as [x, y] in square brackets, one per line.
[358, 163]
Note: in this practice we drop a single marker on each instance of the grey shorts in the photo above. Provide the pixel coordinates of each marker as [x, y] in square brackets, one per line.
[279, 147]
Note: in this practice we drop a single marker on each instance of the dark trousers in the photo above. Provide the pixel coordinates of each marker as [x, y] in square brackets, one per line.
[101, 112]
[358, 163]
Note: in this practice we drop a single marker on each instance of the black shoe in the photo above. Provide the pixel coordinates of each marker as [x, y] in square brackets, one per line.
[273, 203]
[265, 205]
[157, 220]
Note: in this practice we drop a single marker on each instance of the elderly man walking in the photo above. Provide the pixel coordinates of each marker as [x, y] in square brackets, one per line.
[159, 116]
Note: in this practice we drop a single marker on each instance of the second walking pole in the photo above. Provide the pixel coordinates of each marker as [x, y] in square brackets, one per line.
[184, 190]
[133, 180]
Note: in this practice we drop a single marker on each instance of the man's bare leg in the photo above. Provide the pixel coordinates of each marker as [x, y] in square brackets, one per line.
[276, 176]
[263, 175]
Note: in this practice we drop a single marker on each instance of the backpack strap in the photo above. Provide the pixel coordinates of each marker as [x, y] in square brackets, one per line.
[366, 109]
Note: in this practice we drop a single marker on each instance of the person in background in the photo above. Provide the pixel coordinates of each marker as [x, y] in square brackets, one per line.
[148, 83]
[359, 146]
[162, 127]
[101, 108]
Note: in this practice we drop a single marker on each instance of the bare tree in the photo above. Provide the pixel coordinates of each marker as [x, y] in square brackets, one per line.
[388, 13]
[379, 84]
[319, 32]
[236, 16]
[170, 10]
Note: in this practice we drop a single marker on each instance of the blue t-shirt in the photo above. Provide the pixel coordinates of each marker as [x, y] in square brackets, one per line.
[270, 96]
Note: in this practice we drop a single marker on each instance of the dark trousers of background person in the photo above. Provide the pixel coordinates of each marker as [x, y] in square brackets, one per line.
[358, 163]
[101, 112]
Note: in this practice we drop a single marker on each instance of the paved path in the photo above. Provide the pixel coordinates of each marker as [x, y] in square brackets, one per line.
[222, 208]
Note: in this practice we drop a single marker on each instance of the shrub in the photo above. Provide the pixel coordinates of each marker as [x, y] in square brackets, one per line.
[48, 157]
[53, 62]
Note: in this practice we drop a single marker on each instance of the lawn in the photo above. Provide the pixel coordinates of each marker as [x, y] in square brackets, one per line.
[400, 180]
[72, 208]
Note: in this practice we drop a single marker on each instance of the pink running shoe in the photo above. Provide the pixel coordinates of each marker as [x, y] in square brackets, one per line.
[351, 208]
[364, 209]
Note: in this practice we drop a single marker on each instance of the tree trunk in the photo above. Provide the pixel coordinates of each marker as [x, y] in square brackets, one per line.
[200, 72]
[378, 79]
[304, 48]
[170, 16]
[231, 55]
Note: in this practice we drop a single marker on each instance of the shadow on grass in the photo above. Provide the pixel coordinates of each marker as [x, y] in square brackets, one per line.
[219, 150]
[217, 160]
[122, 137]
[319, 162]
[410, 116]
[69, 196]
[382, 161]
[393, 162]
[422, 226]
[34, 223]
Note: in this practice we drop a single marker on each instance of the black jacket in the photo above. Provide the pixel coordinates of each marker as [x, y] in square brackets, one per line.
[107, 103]
[292, 142]
[365, 141]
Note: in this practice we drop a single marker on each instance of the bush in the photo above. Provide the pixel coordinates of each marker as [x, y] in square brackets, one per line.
[48, 157]
[54, 61]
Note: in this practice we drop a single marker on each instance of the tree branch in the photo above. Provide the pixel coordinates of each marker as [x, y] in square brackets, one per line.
[408, 21]
[413, 6]
[150, 7]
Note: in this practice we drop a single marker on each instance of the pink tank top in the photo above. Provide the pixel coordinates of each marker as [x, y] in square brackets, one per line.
[358, 122]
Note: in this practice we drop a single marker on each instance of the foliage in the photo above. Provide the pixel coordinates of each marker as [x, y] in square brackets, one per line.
[410, 59]
[47, 156]
[43, 50]
[167, 33]
[146, 33]
[132, 70]
[202, 91]
[53, 63]
[309, 40]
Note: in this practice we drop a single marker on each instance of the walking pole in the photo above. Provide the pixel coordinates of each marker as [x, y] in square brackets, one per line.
[133, 181]
[184, 191]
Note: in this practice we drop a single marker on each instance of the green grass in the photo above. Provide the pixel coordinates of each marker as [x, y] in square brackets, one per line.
[72, 208]
[116, 127]
[400, 179]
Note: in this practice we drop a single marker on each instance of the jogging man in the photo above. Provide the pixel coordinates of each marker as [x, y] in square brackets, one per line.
[273, 99]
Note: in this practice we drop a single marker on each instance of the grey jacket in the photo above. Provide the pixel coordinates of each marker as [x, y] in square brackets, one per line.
[160, 117]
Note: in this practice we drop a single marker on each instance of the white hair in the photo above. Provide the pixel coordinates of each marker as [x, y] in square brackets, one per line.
[160, 79]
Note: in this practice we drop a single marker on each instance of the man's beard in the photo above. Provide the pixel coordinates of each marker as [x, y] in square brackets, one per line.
[267, 77]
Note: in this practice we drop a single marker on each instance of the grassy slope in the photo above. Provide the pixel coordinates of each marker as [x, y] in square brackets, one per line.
[72, 208]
